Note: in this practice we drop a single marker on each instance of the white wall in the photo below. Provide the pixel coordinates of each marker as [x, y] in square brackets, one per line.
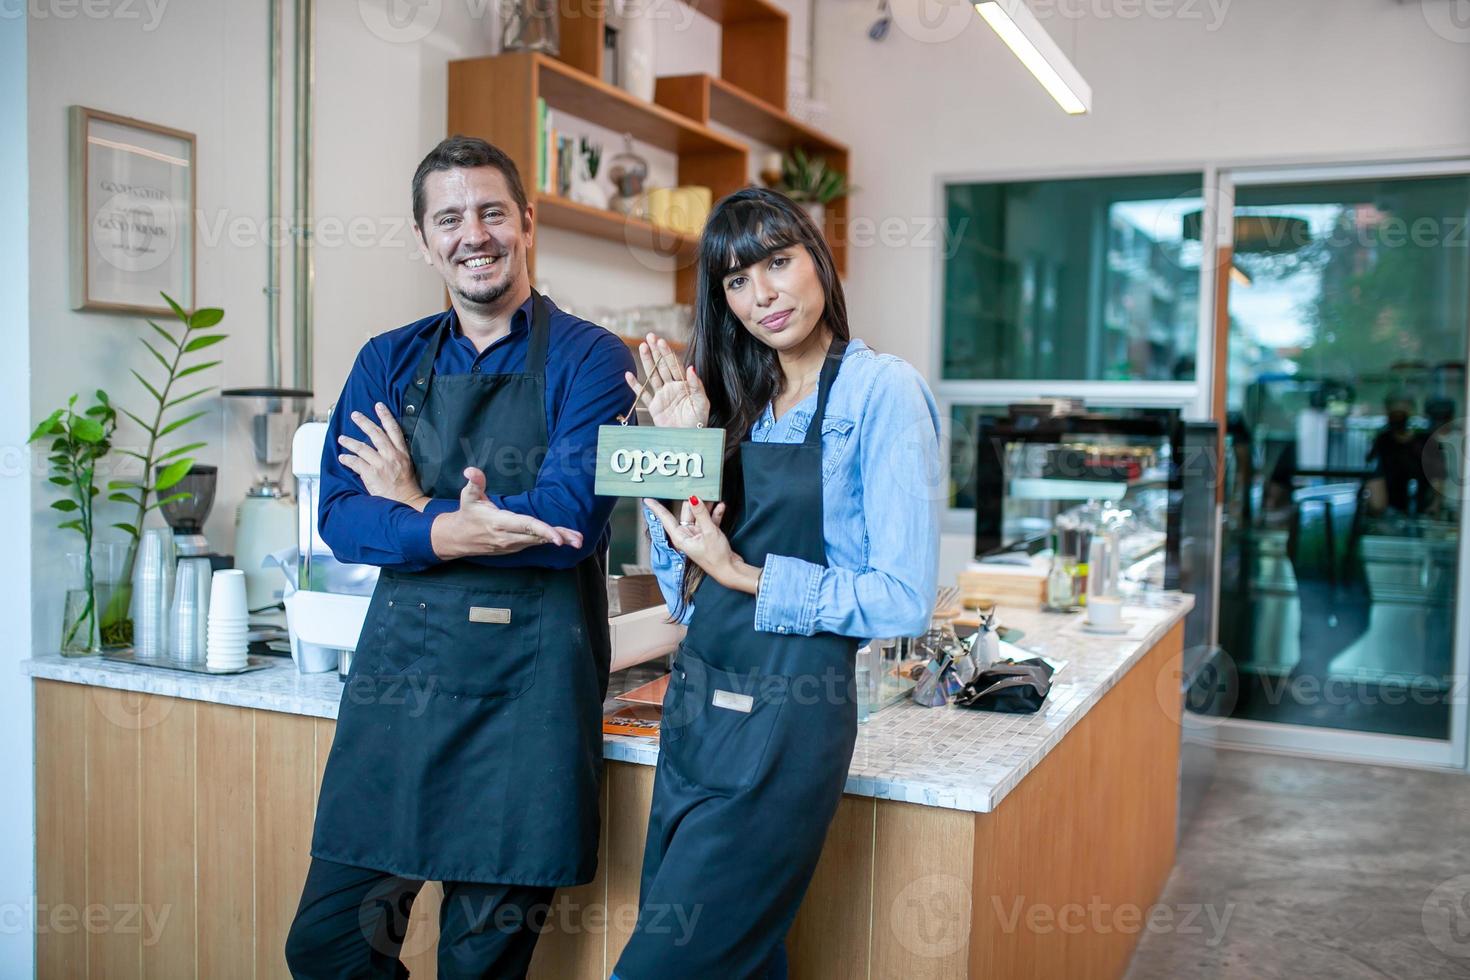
[17, 818]
[1246, 80]
[380, 105]
[1215, 81]
[198, 67]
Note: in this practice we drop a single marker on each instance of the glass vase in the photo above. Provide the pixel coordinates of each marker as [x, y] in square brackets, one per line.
[112, 564]
[79, 635]
[531, 25]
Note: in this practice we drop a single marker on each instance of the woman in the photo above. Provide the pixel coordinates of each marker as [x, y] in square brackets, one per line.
[827, 533]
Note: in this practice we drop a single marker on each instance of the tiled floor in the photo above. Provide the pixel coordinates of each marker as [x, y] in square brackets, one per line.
[1297, 869]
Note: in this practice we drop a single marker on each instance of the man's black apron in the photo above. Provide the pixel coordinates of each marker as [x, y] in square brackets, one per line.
[757, 736]
[469, 736]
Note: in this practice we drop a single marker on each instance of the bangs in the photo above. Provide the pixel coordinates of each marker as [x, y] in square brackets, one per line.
[745, 234]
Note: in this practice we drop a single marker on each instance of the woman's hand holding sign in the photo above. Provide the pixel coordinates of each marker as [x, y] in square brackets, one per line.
[701, 540]
[678, 400]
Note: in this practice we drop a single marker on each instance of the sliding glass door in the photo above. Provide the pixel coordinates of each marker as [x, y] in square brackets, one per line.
[1348, 302]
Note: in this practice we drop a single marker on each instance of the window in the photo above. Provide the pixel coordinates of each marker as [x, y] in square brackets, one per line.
[1093, 279]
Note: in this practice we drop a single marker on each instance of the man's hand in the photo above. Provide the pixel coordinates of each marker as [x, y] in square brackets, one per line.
[481, 528]
[385, 466]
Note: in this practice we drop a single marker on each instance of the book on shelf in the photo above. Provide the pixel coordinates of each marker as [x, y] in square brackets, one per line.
[541, 122]
[551, 162]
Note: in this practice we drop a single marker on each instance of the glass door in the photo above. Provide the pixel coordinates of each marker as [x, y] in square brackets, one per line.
[1348, 302]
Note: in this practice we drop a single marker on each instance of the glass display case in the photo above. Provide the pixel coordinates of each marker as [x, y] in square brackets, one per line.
[1045, 482]
[1041, 475]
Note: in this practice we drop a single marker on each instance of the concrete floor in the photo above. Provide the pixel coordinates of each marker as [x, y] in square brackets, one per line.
[1295, 868]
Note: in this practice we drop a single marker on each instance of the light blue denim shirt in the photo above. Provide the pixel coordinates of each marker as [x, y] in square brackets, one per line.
[880, 499]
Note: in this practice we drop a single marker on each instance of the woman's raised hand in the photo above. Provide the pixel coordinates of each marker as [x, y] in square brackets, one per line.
[678, 399]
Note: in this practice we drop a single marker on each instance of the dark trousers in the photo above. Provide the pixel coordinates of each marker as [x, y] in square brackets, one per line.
[351, 924]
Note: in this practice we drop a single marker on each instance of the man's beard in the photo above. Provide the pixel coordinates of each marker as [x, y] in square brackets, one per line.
[486, 295]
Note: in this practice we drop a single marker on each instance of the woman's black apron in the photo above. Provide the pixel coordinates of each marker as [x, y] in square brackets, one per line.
[469, 736]
[757, 736]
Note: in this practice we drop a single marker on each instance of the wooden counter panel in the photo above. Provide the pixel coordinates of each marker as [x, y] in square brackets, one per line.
[829, 939]
[285, 805]
[922, 882]
[206, 811]
[420, 951]
[114, 880]
[630, 795]
[169, 835]
[61, 830]
[225, 854]
[1089, 832]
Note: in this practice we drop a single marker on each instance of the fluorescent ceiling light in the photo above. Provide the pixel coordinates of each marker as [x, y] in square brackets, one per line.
[1030, 42]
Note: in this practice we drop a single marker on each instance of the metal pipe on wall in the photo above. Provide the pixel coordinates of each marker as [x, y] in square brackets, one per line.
[303, 273]
[273, 197]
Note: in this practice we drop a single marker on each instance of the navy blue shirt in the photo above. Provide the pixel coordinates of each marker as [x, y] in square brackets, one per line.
[584, 389]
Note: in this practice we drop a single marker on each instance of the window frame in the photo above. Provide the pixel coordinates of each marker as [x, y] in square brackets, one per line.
[1192, 398]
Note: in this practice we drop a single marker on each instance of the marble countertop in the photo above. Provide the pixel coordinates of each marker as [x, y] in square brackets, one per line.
[944, 757]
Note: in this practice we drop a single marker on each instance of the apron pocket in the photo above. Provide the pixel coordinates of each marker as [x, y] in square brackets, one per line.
[721, 723]
[483, 643]
[398, 632]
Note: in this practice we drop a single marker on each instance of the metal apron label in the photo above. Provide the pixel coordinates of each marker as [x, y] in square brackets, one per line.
[489, 614]
[735, 702]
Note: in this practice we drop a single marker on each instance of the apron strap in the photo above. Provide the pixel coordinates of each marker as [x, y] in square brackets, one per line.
[423, 372]
[540, 336]
[824, 388]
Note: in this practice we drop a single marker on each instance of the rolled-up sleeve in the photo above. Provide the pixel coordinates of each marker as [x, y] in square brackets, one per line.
[893, 594]
[357, 526]
[668, 565]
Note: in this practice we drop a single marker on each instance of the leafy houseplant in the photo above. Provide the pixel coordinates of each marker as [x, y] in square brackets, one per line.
[810, 182]
[161, 469]
[78, 441]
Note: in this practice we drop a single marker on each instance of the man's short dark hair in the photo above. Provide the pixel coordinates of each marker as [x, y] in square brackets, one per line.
[464, 152]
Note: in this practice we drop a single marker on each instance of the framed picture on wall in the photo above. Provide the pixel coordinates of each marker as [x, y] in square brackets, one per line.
[132, 213]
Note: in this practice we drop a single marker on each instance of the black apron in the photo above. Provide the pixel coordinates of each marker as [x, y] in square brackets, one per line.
[757, 736]
[469, 736]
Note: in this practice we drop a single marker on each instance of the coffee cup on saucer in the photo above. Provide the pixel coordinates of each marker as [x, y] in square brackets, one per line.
[1105, 612]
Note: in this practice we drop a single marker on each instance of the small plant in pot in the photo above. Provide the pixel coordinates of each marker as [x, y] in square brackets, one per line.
[162, 468]
[79, 440]
[811, 183]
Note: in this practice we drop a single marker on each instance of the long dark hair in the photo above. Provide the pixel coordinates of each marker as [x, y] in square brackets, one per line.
[740, 374]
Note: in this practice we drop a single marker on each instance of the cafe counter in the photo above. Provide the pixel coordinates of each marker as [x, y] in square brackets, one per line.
[963, 842]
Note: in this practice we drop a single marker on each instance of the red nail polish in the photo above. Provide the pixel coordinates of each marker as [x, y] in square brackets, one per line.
[694, 501]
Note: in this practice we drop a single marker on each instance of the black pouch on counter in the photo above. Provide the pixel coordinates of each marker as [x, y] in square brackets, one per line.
[1009, 687]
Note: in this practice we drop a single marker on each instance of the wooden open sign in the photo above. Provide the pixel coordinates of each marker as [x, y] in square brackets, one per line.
[662, 463]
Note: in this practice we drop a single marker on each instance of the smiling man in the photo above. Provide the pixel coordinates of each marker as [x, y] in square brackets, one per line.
[461, 461]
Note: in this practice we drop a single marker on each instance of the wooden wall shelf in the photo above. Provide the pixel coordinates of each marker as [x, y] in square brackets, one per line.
[753, 37]
[579, 94]
[558, 212]
[496, 99]
[705, 99]
[730, 12]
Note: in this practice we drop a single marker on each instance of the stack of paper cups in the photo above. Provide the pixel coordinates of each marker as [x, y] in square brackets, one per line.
[227, 620]
[153, 578]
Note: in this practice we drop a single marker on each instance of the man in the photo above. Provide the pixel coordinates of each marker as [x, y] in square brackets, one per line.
[460, 460]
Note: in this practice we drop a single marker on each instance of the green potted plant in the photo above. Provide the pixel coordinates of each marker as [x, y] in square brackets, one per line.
[162, 468]
[811, 183]
[78, 442]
